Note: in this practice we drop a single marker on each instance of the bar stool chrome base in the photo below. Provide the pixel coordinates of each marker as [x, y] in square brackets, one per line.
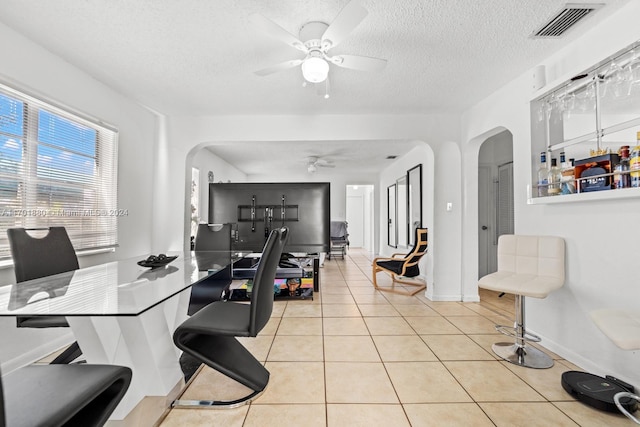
[517, 352]
[528, 357]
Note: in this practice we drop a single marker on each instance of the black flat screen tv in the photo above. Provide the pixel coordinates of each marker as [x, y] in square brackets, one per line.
[254, 209]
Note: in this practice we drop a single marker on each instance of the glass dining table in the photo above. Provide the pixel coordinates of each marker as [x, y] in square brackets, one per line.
[123, 313]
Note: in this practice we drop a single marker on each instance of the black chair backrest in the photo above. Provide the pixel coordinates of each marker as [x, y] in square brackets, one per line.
[215, 237]
[262, 292]
[419, 248]
[35, 257]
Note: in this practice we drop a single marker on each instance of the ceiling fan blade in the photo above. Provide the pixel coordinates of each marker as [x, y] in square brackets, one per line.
[276, 31]
[355, 62]
[348, 19]
[325, 165]
[279, 67]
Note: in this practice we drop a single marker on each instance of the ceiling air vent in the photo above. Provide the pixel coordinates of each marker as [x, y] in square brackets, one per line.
[566, 18]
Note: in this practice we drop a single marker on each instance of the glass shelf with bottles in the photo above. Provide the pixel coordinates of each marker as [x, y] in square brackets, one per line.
[593, 120]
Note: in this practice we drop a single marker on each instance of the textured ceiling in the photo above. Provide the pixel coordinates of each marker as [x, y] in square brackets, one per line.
[197, 57]
[365, 157]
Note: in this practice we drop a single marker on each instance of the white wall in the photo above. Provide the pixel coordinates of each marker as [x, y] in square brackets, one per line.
[440, 287]
[188, 134]
[369, 218]
[28, 67]
[206, 161]
[602, 236]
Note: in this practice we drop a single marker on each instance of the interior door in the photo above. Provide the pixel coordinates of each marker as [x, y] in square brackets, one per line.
[485, 227]
[504, 204]
[391, 216]
[355, 221]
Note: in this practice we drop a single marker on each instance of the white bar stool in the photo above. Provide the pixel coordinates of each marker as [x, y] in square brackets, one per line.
[528, 266]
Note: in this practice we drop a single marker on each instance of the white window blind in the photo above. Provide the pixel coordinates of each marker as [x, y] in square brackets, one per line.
[56, 169]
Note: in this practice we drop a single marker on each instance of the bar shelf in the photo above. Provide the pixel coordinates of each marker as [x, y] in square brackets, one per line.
[592, 114]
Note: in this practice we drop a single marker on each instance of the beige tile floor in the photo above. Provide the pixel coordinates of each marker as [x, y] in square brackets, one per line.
[358, 357]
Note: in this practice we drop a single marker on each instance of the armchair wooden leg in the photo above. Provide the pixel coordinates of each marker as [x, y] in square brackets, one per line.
[418, 283]
[374, 277]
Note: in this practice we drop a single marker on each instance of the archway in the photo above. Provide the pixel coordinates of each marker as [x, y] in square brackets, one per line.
[495, 197]
[470, 225]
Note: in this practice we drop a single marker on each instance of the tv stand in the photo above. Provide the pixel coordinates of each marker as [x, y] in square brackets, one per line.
[299, 281]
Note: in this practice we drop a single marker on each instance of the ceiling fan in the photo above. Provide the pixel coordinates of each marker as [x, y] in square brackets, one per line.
[313, 163]
[315, 40]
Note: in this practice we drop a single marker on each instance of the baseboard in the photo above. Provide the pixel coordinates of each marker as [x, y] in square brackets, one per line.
[37, 353]
[450, 298]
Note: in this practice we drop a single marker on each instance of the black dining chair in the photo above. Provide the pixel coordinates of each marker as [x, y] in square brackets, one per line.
[36, 257]
[210, 239]
[210, 335]
[62, 395]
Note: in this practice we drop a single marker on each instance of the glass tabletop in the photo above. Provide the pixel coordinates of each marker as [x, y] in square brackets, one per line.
[118, 288]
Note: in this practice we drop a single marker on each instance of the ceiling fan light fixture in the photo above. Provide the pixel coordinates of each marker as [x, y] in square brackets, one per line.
[311, 168]
[315, 70]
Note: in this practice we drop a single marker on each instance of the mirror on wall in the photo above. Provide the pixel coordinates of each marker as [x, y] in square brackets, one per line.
[404, 208]
[401, 212]
[391, 216]
[414, 192]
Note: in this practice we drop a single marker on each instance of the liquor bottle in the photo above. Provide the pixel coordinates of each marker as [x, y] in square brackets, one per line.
[634, 164]
[554, 178]
[621, 176]
[566, 170]
[543, 175]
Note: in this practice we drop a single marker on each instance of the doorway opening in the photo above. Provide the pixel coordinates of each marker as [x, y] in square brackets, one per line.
[495, 203]
[359, 208]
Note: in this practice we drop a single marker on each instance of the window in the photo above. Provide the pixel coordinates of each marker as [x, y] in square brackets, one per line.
[56, 169]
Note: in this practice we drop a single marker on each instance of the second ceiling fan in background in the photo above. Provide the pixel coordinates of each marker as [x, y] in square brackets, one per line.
[314, 162]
